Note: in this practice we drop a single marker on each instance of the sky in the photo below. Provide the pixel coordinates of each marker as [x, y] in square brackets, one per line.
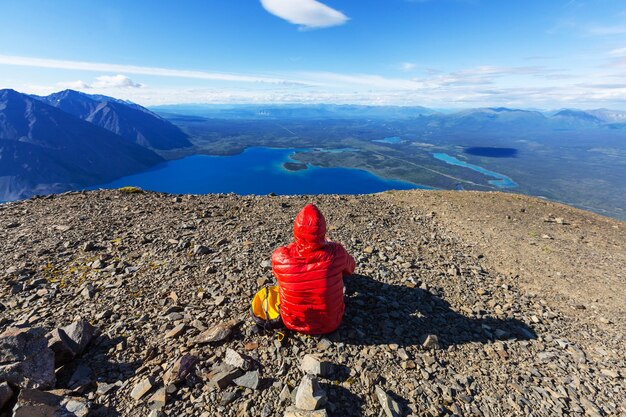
[544, 54]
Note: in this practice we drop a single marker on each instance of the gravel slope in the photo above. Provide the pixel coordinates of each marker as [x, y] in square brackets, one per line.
[518, 327]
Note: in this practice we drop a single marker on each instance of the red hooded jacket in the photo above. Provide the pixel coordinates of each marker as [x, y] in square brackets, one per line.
[310, 276]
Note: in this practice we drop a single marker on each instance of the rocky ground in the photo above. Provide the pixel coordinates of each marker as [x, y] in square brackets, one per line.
[455, 308]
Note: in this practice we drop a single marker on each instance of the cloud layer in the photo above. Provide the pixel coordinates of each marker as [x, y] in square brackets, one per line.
[133, 69]
[309, 14]
[517, 86]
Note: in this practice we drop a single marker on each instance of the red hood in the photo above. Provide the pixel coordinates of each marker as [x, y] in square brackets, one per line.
[309, 229]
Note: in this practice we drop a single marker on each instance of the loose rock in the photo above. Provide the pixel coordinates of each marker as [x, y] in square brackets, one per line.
[309, 395]
[141, 388]
[25, 359]
[390, 406]
[313, 365]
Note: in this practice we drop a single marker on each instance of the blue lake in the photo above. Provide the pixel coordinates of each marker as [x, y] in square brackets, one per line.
[390, 140]
[502, 181]
[255, 171]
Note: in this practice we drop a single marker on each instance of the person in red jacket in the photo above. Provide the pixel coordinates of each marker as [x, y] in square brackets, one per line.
[310, 276]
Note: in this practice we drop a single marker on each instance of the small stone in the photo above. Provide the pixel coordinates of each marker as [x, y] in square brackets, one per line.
[324, 344]
[390, 406]
[176, 331]
[431, 342]
[158, 400]
[201, 250]
[223, 375]
[141, 389]
[237, 360]
[403, 355]
[408, 364]
[88, 291]
[104, 388]
[97, 264]
[612, 373]
[309, 395]
[251, 346]
[313, 365]
[368, 250]
[248, 380]
[285, 394]
[228, 397]
[77, 406]
[180, 369]
[104, 314]
[219, 300]
[89, 246]
[217, 333]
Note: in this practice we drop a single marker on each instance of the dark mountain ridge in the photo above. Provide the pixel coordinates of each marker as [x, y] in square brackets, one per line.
[44, 149]
[126, 119]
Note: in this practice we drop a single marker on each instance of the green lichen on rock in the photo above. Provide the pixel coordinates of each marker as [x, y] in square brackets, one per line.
[130, 190]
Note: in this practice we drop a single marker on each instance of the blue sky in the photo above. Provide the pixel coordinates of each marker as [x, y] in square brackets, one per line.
[438, 53]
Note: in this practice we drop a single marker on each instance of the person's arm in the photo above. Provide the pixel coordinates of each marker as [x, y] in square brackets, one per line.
[350, 264]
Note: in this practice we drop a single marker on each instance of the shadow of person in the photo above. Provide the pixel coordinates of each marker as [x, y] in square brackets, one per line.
[103, 369]
[379, 313]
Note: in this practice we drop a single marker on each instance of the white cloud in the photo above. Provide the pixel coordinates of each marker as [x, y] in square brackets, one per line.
[310, 14]
[606, 30]
[115, 81]
[74, 85]
[134, 69]
[617, 52]
[407, 66]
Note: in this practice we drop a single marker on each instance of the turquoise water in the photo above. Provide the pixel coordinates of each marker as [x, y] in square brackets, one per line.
[255, 171]
[391, 140]
[502, 181]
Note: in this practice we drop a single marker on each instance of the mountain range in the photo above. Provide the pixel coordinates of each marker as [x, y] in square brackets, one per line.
[72, 140]
[126, 119]
[561, 118]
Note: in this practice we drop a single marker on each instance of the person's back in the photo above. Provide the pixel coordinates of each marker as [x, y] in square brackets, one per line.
[310, 276]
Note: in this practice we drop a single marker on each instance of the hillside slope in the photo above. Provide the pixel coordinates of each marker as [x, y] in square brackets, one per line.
[44, 149]
[153, 271]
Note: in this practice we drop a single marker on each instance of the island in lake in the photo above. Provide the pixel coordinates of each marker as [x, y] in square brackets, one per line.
[294, 166]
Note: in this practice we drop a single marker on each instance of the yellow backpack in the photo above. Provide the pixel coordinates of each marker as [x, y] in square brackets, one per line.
[265, 307]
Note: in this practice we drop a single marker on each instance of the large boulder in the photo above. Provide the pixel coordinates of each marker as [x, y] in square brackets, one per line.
[31, 403]
[70, 341]
[25, 359]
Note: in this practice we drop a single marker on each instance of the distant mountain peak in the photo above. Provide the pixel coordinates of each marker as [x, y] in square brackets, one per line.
[577, 115]
[127, 119]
